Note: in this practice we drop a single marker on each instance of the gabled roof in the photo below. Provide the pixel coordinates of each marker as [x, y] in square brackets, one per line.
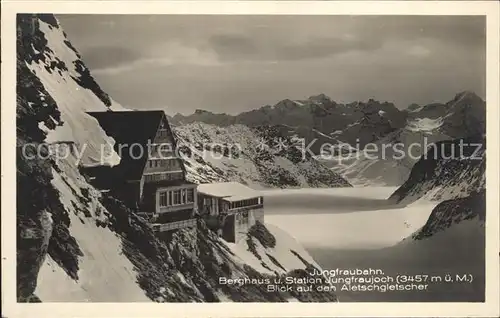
[230, 191]
[128, 128]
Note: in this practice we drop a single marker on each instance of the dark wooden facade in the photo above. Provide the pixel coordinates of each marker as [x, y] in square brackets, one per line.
[150, 178]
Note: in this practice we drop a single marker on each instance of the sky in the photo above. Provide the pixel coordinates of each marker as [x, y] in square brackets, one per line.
[235, 63]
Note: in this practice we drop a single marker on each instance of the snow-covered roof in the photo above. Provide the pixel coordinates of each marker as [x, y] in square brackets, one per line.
[230, 191]
[128, 128]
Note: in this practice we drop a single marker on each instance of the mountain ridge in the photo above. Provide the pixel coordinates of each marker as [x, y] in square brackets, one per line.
[260, 156]
[356, 122]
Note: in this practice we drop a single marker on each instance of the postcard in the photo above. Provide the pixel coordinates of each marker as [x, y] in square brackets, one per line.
[250, 159]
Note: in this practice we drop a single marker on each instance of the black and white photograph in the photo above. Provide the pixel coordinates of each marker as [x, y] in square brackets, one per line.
[192, 158]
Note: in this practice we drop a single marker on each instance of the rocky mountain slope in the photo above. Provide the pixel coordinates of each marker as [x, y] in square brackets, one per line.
[261, 156]
[462, 116]
[389, 160]
[75, 243]
[450, 169]
[456, 228]
[450, 212]
[453, 174]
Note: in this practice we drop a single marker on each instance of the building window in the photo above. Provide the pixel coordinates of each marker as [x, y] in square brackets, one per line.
[160, 150]
[215, 205]
[190, 195]
[176, 197]
[244, 203]
[163, 199]
[162, 132]
[183, 196]
[169, 164]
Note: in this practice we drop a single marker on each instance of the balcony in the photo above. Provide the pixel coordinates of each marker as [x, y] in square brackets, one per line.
[158, 227]
[173, 208]
[243, 208]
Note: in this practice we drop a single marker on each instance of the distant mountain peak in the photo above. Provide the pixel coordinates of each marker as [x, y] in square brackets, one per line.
[467, 96]
[319, 98]
[201, 111]
[286, 103]
[467, 93]
[413, 107]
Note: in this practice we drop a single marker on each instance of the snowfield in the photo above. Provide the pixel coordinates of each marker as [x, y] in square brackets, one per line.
[425, 124]
[105, 274]
[344, 218]
[282, 252]
[357, 228]
[77, 127]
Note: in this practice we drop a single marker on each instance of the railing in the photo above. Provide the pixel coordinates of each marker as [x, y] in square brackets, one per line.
[153, 177]
[243, 208]
[177, 207]
[173, 225]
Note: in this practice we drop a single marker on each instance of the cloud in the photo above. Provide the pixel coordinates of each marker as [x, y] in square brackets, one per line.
[232, 63]
[260, 38]
[419, 51]
[218, 49]
[388, 74]
[231, 47]
[103, 61]
[97, 57]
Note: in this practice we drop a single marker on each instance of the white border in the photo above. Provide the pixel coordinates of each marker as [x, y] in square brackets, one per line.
[12, 309]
